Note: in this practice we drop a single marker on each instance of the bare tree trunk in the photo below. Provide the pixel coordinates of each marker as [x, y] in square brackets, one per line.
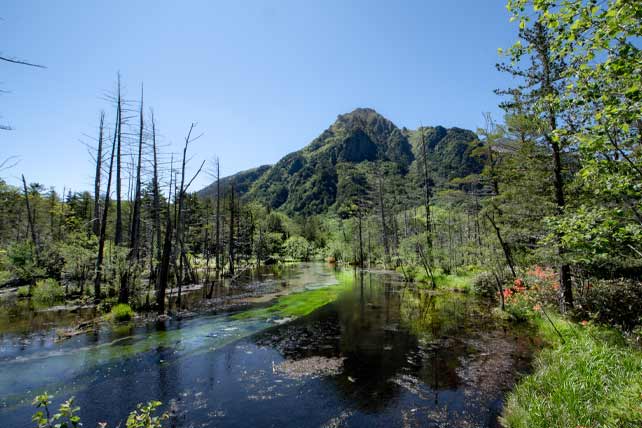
[428, 259]
[384, 229]
[31, 220]
[99, 160]
[231, 238]
[135, 226]
[103, 225]
[156, 190]
[118, 236]
[218, 219]
[360, 240]
[163, 274]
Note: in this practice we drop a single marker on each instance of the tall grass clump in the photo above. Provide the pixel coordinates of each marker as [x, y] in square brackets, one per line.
[121, 312]
[588, 378]
[47, 292]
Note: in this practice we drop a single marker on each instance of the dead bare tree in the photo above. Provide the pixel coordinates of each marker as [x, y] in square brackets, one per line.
[184, 262]
[31, 220]
[103, 224]
[427, 259]
[118, 233]
[135, 224]
[99, 165]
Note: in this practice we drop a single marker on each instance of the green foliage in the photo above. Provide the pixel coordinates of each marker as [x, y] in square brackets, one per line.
[23, 291]
[121, 312]
[616, 302]
[297, 248]
[485, 284]
[143, 416]
[592, 379]
[23, 261]
[47, 292]
[78, 253]
[65, 417]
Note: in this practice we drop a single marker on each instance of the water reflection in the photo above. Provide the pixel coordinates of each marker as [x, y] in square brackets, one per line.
[383, 354]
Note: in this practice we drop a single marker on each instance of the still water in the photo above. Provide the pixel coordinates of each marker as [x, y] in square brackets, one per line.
[382, 354]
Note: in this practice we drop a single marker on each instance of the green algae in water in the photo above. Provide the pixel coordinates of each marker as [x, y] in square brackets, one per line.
[301, 304]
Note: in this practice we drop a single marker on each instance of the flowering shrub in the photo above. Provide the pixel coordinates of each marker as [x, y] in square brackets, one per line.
[544, 282]
[520, 303]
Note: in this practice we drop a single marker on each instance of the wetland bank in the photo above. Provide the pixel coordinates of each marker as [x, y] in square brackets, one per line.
[373, 351]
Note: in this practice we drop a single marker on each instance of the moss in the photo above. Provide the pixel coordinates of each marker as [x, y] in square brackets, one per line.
[591, 379]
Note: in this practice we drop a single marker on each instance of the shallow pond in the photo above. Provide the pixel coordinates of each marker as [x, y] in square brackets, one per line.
[382, 354]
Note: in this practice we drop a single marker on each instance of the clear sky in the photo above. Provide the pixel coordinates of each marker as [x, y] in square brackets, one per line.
[261, 78]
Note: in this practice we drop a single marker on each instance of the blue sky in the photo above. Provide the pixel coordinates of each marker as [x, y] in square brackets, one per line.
[261, 78]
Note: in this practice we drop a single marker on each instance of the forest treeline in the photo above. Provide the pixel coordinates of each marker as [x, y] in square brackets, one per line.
[555, 183]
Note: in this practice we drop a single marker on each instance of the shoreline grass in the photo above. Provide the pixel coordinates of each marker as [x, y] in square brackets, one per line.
[591, 378]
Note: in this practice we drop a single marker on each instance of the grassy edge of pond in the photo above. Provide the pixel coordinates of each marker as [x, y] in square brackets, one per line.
[591, 378]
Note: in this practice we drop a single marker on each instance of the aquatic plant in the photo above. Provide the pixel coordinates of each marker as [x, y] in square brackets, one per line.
[47, 292]
[121, 312]
[301, 304]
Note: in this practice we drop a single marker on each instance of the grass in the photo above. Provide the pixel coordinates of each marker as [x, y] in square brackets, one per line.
[121, 312]
[47, 292]
[591, 379]
[455, 282]
[298, 304]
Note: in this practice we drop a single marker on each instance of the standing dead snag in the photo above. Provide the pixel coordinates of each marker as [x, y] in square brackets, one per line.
[384, 228]
[231, 238]
[135, 225]
[103, 225]
[156, 200]
[31, 220]
[134, 238]
[118, 233]
[184, 262]
[218, 218]
[427, 259]
[163, 270]
[99, 162]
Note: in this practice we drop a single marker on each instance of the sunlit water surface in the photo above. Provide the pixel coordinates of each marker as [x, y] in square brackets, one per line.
[383, 354]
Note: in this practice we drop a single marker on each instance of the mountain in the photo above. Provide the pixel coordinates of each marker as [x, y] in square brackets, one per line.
[242, 181]
[308, 181]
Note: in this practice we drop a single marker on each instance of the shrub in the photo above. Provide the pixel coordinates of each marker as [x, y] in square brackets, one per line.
[66, 417]
[617, 302]
[122, 312]
[521, 306]
[485, 284]
[544, 281]
[23, 291]
[47, 292]
[23, 263]
[297, 248]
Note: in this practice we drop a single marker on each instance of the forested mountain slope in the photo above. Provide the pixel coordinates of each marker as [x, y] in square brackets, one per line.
[307, 181]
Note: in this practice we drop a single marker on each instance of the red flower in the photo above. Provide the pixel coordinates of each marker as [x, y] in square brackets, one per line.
[518, 282]
[584, 322]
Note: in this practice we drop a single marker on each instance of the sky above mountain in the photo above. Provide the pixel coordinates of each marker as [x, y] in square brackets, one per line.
[260, 78]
